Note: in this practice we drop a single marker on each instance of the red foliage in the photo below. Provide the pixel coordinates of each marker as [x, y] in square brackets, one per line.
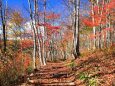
[23, 59]
[100, 14]
[111, 5]
[26, 44]
[88, 22]
[51, 16]
[51, 29]
[48, 26]
[92, 36]
[108, 29]
[103, 32]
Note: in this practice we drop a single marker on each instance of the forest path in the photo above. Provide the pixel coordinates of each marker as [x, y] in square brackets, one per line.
[100, 66]
[53, 74]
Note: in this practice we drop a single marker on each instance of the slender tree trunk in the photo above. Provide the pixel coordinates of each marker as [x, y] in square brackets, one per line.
[36, 17]
[43, 40]
[4, 36]
[34, 35]
[94, 28]
[3, 18]
[99, 36]
[76, 28]
[109, 26]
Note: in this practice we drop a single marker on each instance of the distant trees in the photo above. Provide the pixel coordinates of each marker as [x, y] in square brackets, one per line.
[100, 20]
[95, 25]
[52, 31]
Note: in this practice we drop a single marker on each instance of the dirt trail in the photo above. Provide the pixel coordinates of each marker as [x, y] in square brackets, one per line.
[99, 65]
[54, 74]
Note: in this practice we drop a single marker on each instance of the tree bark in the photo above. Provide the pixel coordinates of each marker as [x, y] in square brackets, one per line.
[34, 35]
[43, 39]
[94, 28]
[76, 28]
[3, 18]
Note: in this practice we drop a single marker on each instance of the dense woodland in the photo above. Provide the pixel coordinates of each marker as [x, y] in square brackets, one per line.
[74, 46]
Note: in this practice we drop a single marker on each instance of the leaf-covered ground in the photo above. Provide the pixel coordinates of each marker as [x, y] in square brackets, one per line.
[97, 69]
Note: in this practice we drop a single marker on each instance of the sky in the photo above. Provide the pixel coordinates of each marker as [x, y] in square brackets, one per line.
[22, 5]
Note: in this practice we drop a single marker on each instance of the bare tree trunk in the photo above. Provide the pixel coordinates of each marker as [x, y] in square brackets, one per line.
[3, 18]
[34, 34]
[43, 40]
[94, 28]
[76, 28]
[36, 17]
[109, 26]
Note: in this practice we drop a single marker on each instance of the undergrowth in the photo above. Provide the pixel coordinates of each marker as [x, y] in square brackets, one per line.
[90, 81]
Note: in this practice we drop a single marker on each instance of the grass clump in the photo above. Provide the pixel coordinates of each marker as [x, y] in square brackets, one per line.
[90, 81]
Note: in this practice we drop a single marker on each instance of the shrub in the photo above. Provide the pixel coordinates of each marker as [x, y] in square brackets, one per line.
[14, 66]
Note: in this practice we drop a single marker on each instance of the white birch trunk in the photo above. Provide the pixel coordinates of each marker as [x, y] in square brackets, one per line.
[76, 28]
[34, 34]
[43, 50]
[94, 28]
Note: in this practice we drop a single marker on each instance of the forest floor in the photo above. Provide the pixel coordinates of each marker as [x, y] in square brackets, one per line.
[96, 69]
